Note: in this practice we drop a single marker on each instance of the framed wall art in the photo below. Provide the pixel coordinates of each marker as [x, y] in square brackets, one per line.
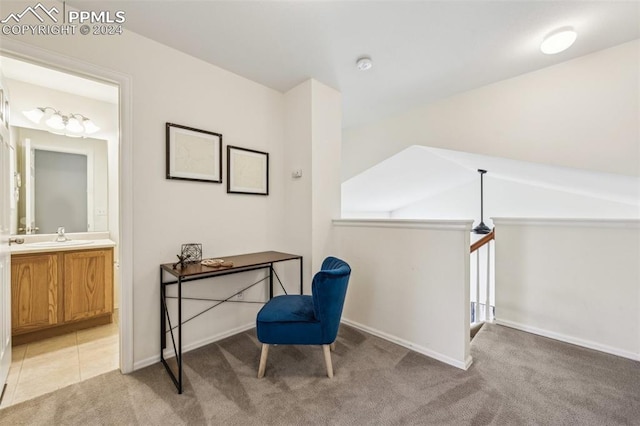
[193, 154]
[247, 171]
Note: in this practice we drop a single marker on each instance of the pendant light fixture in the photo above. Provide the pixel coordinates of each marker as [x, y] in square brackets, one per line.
[481, 228]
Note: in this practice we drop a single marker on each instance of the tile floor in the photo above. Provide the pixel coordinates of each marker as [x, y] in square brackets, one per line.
[44, 366]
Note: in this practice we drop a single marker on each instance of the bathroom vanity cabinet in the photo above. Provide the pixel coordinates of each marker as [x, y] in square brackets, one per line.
[57, 292]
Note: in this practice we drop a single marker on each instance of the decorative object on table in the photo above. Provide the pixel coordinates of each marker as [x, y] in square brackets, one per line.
[193, 252]
[481, 228]
[247, 171]
[193, 154]
[212, 263]
[217, 263]
[182, 259]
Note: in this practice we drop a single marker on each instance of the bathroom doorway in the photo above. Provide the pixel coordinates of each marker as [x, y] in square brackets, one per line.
[42, 366]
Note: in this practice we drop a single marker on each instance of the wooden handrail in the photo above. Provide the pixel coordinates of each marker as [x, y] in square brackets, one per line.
[484, 240]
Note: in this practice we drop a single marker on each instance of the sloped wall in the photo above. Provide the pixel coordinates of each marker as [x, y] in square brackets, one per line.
[583, 113]
[505, 198]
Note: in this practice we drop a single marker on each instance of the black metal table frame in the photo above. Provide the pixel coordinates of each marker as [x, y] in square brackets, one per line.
[164, 312]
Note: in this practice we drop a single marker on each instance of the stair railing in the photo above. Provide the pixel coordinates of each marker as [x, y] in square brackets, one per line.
[489, 285]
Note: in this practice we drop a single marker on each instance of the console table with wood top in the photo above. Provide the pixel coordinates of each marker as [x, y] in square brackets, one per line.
[197, 271]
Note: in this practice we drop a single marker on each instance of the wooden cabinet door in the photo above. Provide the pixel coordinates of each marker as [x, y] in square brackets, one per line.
[35, 292]
[88, 284]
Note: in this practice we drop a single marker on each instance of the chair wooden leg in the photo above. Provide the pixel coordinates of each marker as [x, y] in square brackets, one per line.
[327, 360]
[333, 346]
[263, 360]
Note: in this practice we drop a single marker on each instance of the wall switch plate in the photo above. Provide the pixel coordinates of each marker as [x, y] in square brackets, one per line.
[297, 173]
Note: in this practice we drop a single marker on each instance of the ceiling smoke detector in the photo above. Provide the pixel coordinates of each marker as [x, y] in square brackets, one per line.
[364, 63]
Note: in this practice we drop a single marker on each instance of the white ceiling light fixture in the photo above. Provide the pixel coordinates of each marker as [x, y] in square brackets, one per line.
[558, 41]
[364, 63]
[75, 124]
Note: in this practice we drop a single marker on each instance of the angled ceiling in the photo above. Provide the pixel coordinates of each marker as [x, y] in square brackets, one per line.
[422, 50]
[419, 172]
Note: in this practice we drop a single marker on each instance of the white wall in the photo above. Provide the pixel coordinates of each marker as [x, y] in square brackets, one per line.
[170, 86]
[583, 113]
[503, 198]
[297, 191]
[410, 283]
[313, 138]
[572, 280]
[326, 158]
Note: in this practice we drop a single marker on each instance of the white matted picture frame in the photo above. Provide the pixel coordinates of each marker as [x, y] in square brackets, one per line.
[247, 171]
[193, 154]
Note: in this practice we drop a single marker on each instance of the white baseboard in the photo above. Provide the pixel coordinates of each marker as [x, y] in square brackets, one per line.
[409, 345]
[569, 339]
[168, 353]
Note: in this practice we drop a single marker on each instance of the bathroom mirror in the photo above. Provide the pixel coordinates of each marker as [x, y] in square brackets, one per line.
[63, 181]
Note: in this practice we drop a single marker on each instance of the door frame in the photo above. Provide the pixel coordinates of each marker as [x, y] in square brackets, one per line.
[22, 51]
[6, 351]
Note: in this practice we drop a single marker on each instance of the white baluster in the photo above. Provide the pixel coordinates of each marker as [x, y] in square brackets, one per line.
[487, 300]
[477, 308]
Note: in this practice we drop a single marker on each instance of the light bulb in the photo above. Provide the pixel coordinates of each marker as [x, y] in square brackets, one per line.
[34, 115]
[55, 122]
[558, 41]
[73, 125]
[89, 127]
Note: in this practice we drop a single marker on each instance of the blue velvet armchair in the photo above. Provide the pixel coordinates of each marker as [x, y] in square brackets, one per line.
[306, 320]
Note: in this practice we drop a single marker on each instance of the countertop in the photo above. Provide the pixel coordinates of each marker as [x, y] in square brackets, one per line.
[46, 244]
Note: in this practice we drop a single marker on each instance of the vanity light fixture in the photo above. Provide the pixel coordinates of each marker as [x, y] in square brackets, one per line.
[72, 124]
[558, 41]
[364, 63]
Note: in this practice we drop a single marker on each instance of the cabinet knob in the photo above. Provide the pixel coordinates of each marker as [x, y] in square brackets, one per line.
[16, 240]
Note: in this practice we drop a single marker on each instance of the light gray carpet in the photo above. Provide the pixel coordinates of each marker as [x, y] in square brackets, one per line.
[517, 378]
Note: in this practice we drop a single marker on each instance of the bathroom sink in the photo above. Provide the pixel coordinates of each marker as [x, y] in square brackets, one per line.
[68, 243]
